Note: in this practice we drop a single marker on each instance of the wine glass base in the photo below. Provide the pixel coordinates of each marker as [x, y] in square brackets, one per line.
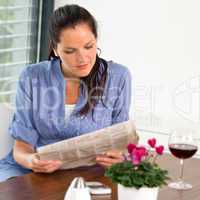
[180, 185]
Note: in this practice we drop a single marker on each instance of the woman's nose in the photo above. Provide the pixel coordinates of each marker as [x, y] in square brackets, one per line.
[80, 56]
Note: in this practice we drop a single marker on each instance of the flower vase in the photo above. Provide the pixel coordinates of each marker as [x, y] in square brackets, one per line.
[131, 193]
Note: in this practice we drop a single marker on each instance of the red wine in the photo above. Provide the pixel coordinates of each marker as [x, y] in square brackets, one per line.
[182, 151]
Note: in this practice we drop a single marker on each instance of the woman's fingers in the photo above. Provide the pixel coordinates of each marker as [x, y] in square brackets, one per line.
[47, 165]
[115, 154]
[47, 169]
[109, 158]
[44, 166]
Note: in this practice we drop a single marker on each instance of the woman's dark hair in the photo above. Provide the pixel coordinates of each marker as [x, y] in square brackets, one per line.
[69, 16]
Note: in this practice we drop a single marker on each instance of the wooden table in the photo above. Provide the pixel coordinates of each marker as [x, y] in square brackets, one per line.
[53, 186]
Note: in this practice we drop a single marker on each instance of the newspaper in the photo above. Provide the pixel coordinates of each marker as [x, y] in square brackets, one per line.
[82, 150]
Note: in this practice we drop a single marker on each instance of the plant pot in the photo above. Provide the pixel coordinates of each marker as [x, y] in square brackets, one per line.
[131, 193]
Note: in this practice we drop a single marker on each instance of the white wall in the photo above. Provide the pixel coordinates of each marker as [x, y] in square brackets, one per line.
[159, 41]
[6, 141]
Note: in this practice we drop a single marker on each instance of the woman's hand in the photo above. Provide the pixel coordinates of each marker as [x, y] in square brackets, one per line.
[25, 155]
[43, 166]
[110, 157]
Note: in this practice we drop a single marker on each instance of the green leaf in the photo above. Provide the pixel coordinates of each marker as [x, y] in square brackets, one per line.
[146, 174]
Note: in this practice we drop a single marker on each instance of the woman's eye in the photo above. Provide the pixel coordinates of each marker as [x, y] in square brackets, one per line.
[89, 47]
[69, 52]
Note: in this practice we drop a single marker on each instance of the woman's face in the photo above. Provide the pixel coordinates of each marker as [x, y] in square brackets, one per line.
[77, 50]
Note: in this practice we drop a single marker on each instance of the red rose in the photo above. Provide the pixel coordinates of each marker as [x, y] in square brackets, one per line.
[160, 149]
[138, 153]
[152, 142]
[130, 147]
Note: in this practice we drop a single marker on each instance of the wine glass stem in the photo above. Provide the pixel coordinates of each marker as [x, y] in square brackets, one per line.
[182, 167]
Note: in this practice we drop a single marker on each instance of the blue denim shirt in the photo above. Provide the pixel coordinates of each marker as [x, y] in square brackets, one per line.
[39, 118]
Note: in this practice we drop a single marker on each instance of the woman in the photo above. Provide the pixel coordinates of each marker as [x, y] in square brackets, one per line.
[73, 93]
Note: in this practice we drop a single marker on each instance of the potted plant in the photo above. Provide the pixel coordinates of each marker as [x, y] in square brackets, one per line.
[139, 177]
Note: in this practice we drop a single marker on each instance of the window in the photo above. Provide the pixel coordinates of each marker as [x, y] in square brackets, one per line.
[19, 22]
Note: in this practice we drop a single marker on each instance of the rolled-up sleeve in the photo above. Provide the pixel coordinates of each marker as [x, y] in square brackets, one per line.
[22, 125]
[122, 105]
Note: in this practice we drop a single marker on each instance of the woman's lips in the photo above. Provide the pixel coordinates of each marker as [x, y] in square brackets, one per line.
[82, 66]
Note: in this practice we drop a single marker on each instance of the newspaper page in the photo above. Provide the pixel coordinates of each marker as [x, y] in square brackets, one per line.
[82, 150]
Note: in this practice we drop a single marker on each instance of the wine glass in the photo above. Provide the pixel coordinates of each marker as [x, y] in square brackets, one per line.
[182, 145]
